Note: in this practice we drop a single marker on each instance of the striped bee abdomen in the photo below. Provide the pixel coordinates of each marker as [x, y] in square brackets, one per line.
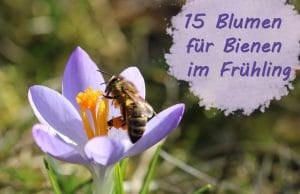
[136, 123]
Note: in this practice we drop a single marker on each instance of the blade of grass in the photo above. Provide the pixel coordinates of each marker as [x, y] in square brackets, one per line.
[123, 165]
[203, 189]
[52, 177]
[118, 176]
[151, 171]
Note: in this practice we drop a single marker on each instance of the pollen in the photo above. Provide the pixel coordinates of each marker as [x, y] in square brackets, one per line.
[94, 109]
[89, 98]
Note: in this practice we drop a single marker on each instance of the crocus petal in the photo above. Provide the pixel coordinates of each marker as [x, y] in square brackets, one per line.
[157, 128]
[134, 75]
[120, 136]
[53, 145]
[58, 112]
[103, 150]
[80, 73]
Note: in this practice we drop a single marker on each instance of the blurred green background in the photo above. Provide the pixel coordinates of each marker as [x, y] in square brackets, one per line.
[238, 154]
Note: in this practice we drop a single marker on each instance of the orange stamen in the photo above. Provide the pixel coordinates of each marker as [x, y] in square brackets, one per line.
[102, 116]
[88, 101]
[94, 102]
[86, 124]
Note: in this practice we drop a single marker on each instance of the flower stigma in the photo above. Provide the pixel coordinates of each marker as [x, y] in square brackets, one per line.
[93, 102]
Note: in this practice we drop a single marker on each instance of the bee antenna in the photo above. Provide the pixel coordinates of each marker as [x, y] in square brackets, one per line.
[104, 72]
[103, 83]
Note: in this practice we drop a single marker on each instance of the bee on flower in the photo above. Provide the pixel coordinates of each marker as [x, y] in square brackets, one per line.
[73, 126]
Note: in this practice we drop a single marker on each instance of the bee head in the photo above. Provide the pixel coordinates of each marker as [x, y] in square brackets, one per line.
[113, 81]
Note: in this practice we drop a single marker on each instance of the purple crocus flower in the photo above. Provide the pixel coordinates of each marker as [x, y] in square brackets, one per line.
[73, 125]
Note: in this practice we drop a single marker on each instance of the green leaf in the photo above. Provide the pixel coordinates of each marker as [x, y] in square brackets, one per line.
[52, 177]
[203, 189]
[81, 185]
[118, 176]
[150, 173]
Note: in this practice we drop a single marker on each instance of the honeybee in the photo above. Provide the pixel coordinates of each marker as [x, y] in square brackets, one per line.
[135, 111]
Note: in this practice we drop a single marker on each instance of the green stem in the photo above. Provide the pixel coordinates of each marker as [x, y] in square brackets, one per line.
[103, 180]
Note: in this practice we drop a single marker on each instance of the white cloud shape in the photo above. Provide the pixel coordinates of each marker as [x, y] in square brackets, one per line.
[278, 23]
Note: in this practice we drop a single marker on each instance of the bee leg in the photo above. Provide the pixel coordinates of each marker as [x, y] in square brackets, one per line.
[117, 122]
[109, 97]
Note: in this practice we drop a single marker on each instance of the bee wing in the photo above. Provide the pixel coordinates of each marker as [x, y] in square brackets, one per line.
[147, 108]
